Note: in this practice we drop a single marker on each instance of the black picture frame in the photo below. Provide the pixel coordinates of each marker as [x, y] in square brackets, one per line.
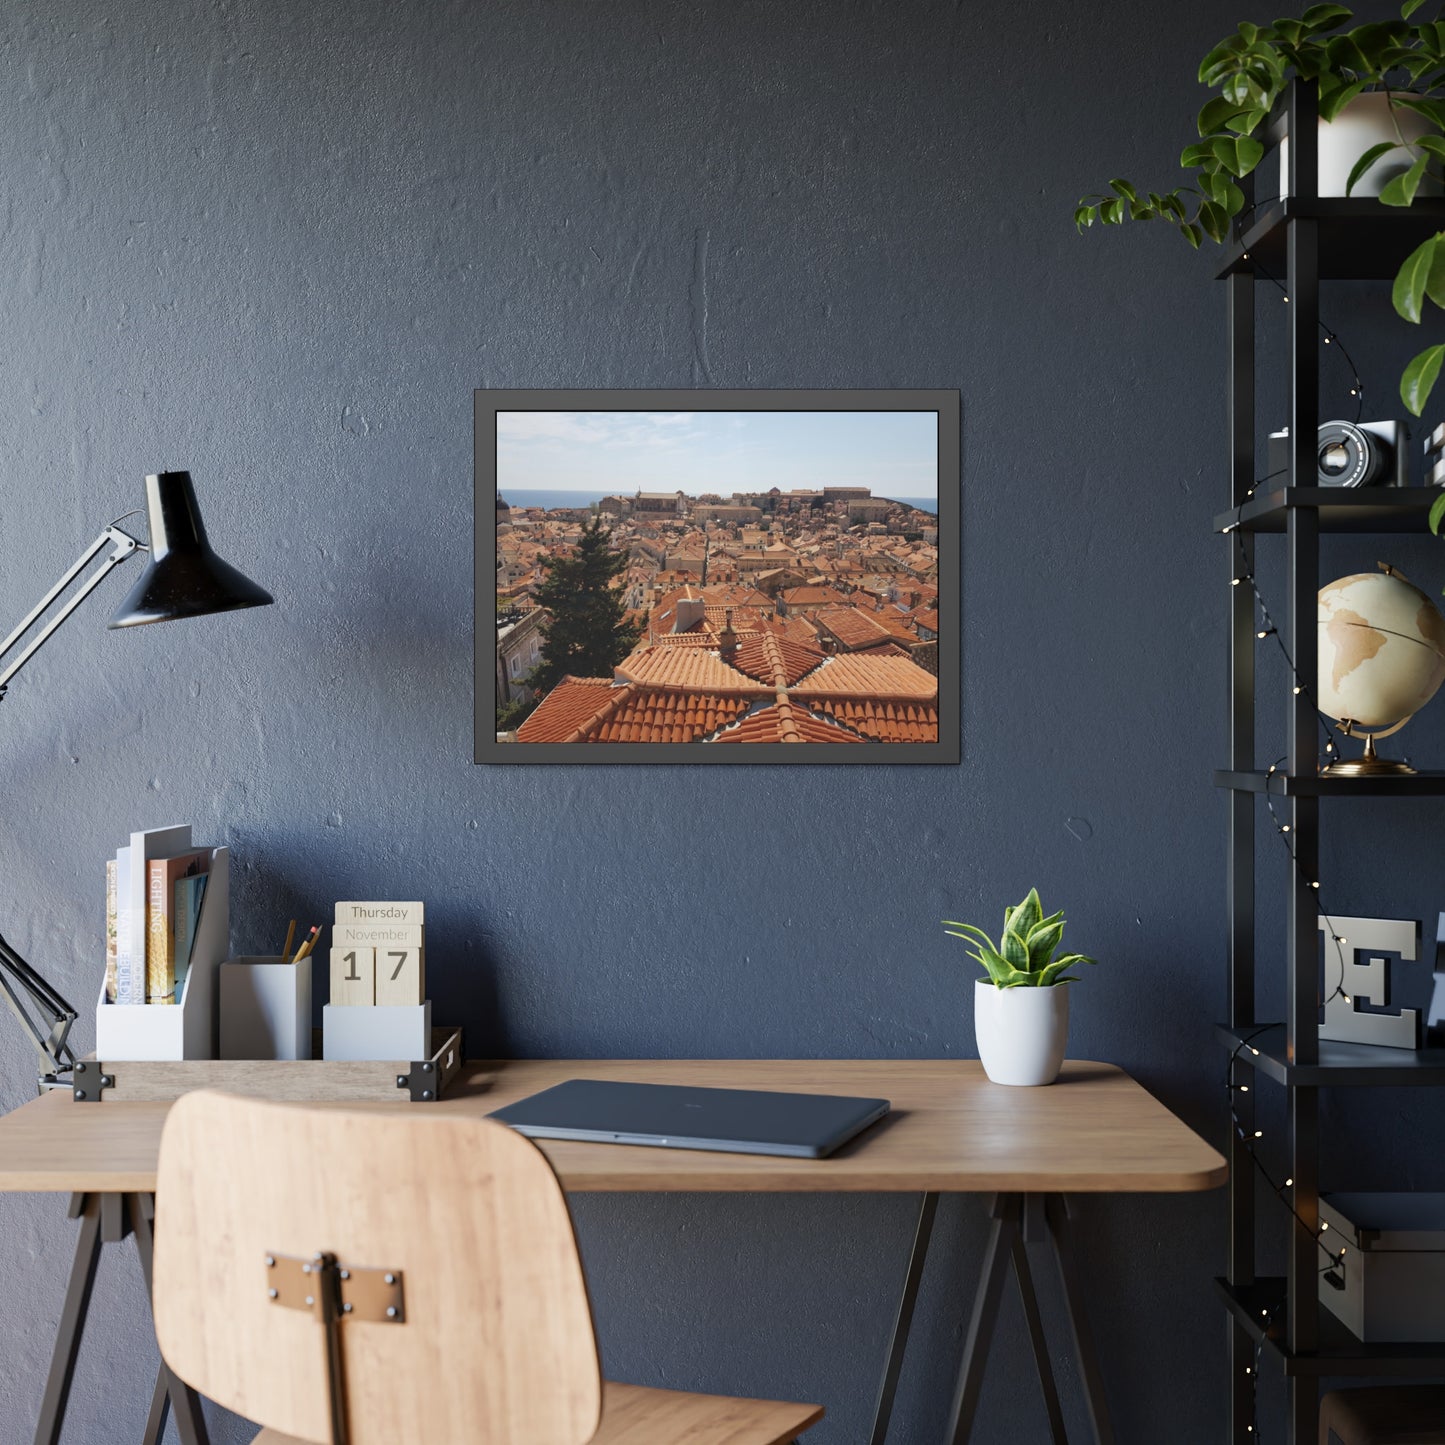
[488, 403]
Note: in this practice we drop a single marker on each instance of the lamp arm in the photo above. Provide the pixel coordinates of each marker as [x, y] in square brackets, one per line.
[43, 1012]
[25, 990]
[124, 546]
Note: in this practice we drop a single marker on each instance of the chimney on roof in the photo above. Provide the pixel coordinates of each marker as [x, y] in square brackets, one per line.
[727, 640]
[690, 611]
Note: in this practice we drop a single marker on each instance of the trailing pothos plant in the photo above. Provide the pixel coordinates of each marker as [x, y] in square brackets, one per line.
[1249, 70]
[1027, 952]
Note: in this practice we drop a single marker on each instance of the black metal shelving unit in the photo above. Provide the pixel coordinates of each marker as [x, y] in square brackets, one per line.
[1304, 240]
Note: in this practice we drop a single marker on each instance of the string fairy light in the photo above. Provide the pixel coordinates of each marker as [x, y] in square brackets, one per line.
[1247, 1135]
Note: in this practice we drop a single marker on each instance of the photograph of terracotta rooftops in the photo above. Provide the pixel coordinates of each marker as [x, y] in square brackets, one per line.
[717, 577]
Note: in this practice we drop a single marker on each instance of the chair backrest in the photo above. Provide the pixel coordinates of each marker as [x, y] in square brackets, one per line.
[497, 1347]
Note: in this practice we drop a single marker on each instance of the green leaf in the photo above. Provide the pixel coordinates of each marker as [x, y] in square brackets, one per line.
[967, 931]
[1238, 154]
[1432, 110]
[1042, 942]
[1338, 98]
[1435, 144]
[1419, 379]
[1247, 122]
[1367, 160]
[1198, 154]
[1224, 55]
[1214, 219]
[1217, 114]
[1437, 513]
[1085, 216]
[1409, 8]
[1401, 190]
[1421, 275]
[1029, 914]
[1192, 234]
[1111, 212]
[1123, 188]
[1324, 17]
[1003, 973]
[1014, 949]
[1056, 971]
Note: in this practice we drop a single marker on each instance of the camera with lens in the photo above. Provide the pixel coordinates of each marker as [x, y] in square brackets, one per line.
[1351, 454]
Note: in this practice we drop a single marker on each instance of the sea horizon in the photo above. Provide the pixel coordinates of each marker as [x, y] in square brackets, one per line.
[550, 499]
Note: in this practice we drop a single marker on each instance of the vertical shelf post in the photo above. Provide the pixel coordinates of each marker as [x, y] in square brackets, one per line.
[1303, 562]
[1241, 881]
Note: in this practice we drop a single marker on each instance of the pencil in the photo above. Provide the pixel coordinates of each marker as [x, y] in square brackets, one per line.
[308, 944]
[286, 947]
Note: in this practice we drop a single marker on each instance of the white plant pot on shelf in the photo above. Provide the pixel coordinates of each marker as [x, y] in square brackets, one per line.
[1022, 1033]
[1366, 121]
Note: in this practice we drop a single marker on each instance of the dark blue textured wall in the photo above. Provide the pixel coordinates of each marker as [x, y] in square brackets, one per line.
[281, 244]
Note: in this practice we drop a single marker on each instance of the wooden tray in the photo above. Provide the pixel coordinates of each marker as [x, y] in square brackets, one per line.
[303, 1080]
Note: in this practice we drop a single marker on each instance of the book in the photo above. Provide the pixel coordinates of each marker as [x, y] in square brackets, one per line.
[190, 895]
[163, 874]
[111, 898]
[125, 989]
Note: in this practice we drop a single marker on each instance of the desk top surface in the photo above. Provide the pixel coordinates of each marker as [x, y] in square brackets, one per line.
[1096, 1130]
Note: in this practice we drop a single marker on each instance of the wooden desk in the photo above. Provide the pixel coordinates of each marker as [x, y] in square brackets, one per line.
[950, 1131]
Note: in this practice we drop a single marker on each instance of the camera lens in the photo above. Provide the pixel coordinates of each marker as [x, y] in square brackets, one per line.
[1334, 458]
[1348, 456]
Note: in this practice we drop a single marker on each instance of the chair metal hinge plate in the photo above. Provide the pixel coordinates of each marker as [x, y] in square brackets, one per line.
[371, 1295]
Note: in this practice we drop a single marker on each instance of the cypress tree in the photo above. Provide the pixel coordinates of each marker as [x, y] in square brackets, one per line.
[587, 633]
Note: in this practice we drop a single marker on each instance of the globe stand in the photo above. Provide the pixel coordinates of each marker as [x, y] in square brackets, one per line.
[1370, 765]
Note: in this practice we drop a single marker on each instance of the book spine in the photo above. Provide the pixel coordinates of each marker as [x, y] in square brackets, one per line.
[111, 906]
[160, 949]
[125, 991]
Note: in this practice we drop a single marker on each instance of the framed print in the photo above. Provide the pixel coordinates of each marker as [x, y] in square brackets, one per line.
[680, 576]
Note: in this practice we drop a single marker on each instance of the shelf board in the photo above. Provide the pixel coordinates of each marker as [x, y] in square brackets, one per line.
[1360, 239]
[1341, 509]
[1281, 785]
[1348, 1065]
[1339, 1353]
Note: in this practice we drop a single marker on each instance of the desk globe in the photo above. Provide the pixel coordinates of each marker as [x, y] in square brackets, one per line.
[1381, 659]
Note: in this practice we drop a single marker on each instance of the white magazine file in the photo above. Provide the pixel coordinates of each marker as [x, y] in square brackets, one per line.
[188, 1028]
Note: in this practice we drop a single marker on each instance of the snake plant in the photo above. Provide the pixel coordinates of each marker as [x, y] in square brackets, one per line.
[1026, 955]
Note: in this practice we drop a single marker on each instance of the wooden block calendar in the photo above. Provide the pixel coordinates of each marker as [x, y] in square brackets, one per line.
[378, 954]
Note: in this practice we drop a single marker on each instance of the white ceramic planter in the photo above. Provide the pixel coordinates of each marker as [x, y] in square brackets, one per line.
[1364, 122]
[1021, 1033]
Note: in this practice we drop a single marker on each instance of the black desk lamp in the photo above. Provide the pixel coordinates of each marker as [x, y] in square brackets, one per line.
[183, 578]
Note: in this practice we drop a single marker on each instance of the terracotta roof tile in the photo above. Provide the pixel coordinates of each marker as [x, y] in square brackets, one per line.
[649, 716]
[886, 722]
[687, 668]
[852, 627]
[785, 723]
[814, 597]
[849, 675]
[573, 702]
[778, 661]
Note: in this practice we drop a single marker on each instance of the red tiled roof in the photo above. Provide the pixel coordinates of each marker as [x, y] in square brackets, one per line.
[927, 619]
[686, 668]
[853, 628]
[849, 675]
[778, 661]
[882, 649]
[785, 723]
[887, 722]
[814, 597]
[655, 716]
[574, 701]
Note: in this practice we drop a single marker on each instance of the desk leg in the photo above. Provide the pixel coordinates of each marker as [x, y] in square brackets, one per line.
[190, 1422]
[903, 1320]
[1001, 1239]
[1057, 1209]
[72, 1319]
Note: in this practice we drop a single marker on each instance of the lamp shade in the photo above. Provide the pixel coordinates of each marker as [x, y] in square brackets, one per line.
[184, 577]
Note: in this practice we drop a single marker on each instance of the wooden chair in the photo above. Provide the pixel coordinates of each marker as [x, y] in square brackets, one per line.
[389, 1278]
